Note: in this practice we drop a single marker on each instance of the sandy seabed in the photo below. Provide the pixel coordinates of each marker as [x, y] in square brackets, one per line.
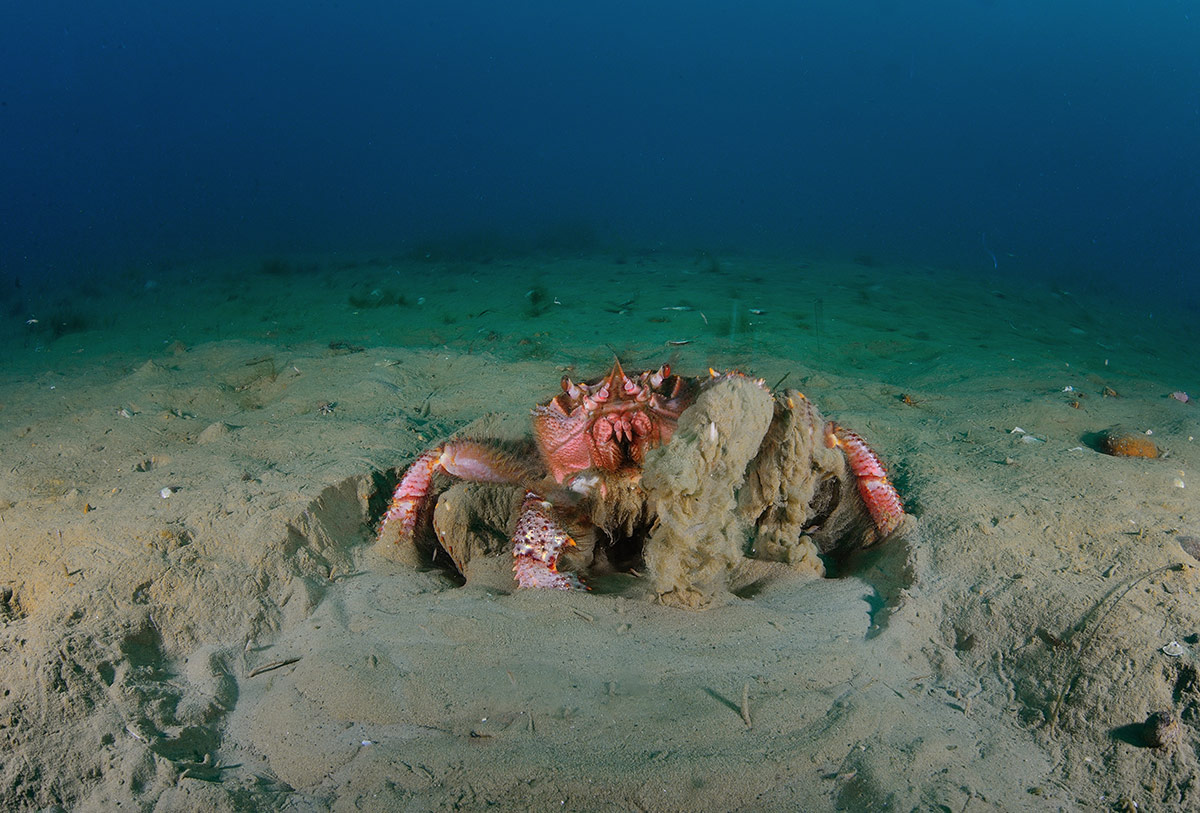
[194, 615]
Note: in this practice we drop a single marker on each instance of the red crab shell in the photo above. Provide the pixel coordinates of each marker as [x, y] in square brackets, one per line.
[609, 423]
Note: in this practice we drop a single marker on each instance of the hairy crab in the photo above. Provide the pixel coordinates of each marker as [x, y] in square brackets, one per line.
[684, 475]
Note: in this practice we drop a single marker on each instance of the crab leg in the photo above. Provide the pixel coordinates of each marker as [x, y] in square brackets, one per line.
[465, 459]
[537, 542]
[880, 496]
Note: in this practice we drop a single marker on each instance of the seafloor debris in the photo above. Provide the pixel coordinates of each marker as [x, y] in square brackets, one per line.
[1162, 730]
[1127, 444]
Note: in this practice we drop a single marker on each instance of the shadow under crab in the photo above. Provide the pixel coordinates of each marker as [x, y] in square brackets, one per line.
[687, 481]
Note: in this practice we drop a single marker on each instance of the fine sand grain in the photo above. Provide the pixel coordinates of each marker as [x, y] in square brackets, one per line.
[194, 614]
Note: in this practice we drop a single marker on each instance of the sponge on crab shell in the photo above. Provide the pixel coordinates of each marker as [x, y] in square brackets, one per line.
[798, 491]
[691, 484]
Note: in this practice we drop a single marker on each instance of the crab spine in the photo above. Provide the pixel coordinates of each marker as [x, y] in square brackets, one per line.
[400, 522]
[537, 543]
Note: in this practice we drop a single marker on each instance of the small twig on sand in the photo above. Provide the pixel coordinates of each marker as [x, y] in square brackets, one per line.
[746, 705]
[267, 667]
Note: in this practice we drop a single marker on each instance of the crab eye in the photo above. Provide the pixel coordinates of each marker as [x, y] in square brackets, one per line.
[571, 388]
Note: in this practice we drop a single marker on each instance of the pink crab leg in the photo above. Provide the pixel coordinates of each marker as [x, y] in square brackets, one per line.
[881, 498]
[537, 543]
[465, 459]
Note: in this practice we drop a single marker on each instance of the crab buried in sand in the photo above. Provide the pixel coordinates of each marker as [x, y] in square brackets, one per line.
[684, 477]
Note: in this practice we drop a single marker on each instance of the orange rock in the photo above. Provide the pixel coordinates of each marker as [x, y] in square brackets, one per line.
[1128, 444]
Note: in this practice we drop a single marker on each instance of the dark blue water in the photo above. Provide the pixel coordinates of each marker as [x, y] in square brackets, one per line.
[1022, 137]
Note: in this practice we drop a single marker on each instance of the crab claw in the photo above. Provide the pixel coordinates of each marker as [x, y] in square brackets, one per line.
[537, 543]
[877, 492]
[464, 459]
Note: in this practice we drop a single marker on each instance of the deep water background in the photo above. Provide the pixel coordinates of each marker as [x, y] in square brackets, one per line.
[1062, 138]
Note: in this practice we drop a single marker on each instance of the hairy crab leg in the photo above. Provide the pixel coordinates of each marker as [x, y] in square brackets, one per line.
[537, 542]
[880, 496]
[465, 459]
